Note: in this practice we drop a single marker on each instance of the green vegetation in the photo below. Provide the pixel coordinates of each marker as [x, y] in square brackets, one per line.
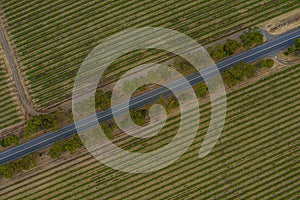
[231, 46]
[10, 111]
[221, 51]
[138, 116]
[242, 70]
[257, 154]
[250, 38]
[265, 63]
[183, 66]
[40, 122]
[70, 145]
[172, 103]
[8, 170]
[47, 122]
[200, 90]
[169, 103]
[51, 54]
[57, 149]
[108, 128]
[244, 154]
[102, 100]
[9, 140]
[295, 49]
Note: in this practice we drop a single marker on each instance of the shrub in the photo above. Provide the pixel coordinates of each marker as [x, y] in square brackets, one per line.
[200, 90]
[40, 122]
[57, 149]
[9, 140]
[265, 63]
[252, 37]
[71, 145]
[8, 170]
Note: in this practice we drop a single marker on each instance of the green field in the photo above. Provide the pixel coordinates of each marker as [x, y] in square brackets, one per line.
[10, 111]
[257, 156]
[52, 38]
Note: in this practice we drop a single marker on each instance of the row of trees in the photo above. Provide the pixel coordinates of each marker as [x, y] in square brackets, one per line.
[9, 140]
[8, 170]
[220, 51]
[102, 100]
[242, 70]
[69, 145]
[250, 38]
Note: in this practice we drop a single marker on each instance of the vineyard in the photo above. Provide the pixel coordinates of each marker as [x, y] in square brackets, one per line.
[10, 111]
[51, 39]
[257, 156]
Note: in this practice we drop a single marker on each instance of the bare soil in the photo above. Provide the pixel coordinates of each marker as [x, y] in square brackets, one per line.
[283, 23]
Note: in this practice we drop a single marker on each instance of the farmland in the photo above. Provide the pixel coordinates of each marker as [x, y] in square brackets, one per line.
[11, 114]
[257, 156]
[52, 39]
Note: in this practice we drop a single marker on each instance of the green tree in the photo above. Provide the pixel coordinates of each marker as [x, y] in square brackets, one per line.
[103, 100]
[200, 89]
[236, 74]
[297, 44]
[138, 116]
[252, 37]
[9, 140]
[248, 70]
[6, 171]
[40, 122]
[231, 46]
[218, 52]
[57, 149]
[172, 103]
[265, 63]
[292, 49]
[295, 49]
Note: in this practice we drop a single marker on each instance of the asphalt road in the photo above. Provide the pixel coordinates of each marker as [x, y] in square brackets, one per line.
[269, 48]
[15, 74]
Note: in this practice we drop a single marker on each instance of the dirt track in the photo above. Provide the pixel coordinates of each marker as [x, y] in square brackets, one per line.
[21, 90]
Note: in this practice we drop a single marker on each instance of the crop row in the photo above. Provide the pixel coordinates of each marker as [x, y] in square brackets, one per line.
[10, 114]
[82, 48]
[76, 47]
[133, 181]
[60, 91]
[237, 131]
[267, 81]
[270, 183]
[282, 164]
[74, 24]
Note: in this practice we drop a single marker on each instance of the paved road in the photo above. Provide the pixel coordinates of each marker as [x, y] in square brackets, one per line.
[267, 49]
[15, 74]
